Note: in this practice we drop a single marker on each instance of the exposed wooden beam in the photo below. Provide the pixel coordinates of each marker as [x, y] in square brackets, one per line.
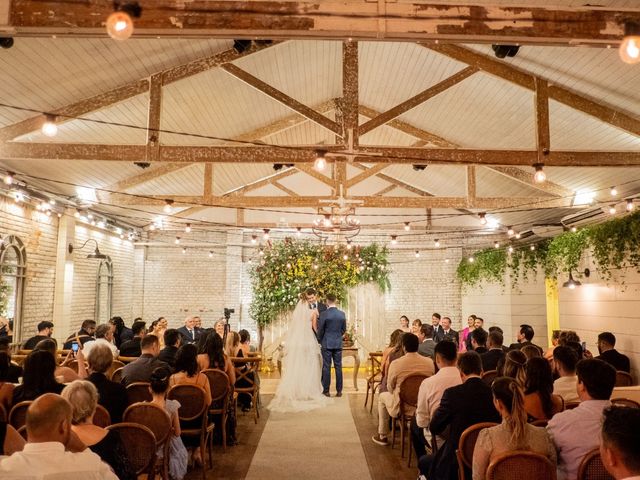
[471, 184]
[187, 213]
[527, 80]
[309, 170]
[153, 118]
[366, 174]
[145, 176]
[526, 178]
[463, 21]
[339, 176]
[349, 101]
[541, 102]
[286, 190]
[385, 190]
[262, 182]
[207, 188]
[418, 99]
[283, 98]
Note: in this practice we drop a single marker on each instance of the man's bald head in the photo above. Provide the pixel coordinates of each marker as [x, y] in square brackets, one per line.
[49, 419]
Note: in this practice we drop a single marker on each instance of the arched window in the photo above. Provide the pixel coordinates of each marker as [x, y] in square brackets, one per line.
[13, 267]
[104, 291]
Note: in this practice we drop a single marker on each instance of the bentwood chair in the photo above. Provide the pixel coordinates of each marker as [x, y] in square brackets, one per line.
[467, 443]
[247, 373]
[3, 414]
[408, 403]
[521, 464]
[18, 414]
[138, 392]
[140, 444]
[571, 405]
[373, 381]
[592, 468]
[194, 418]
[101, 418]
[625, 402]
[540, 423]
[623, 379]
[489, 376]
[158, 421]
[220, 394]
[115, 365]
[116, 376]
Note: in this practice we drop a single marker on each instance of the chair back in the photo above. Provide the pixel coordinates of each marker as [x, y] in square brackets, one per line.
[192, 398]
[115, 365]
[116, 376]
[409, 389]
[623, 379]
[101, 418]
[468, 442]
[625, 402]
[540, 423]
[489, 376]
[18, 414]
[152, 416]
[140, 445]
[73, 365]
[246, 369]
[376, 362]
[519, 464]
[218, 384]
[571, 405]
[3, 414]
[592, 468]
[138, 392]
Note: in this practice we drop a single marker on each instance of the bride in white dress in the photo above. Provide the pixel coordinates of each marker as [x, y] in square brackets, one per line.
[300, 387]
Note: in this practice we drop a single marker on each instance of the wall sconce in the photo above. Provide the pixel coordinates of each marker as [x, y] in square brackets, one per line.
[96, 253]
[572, 284]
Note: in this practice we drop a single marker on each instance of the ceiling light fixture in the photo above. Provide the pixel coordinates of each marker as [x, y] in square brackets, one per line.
[436, 243]
[613, 191]
[184, 250]
[168, 206]
[265, 234]
[187, 229]
[612, 209]
[120, 22]
[254, 238]
[177, 241]
[394, 239]
[510, 231]
[496, 245]
[407, 226]
[298, 231]
[630, 46]
[630, 205]
[49, 127]
[510, 249]
[574, 229]
[210, 254]
[321, 161]
[518, 236]
[539, 176]
[483, 218]
[417, 253]
[502, 51]
[8, 178]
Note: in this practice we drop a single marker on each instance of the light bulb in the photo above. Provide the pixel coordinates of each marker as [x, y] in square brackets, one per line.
[417, 254]
[572, 286]
[122, 236]
[187, 229]
[254, 238]
[177, 241]
[49, 127]
[167, 206]
[446, 260]
[574, 229]
[119, 25]
[532, 247]
[210, 254]
[629, 205]
[630, 46]
[8, 179]
[436, 243]
[298, 231]
[496, 245]
[152, 227]
[77, 214]
[394, 239]
[510, 249]
[539, 176]
[321, 161]
[348, 244]
[483, 218]
[614, 191]
[510, 231]
[101, 224]
[518, 236]
[345, 256]
[471, 259]
[407, 227]
[261, 252]
[184, 250]
[612, 209]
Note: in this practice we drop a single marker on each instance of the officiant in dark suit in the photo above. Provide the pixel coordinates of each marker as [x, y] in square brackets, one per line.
[332, 325]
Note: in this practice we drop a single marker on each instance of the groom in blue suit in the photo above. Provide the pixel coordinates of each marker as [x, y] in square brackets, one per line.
[332, 324]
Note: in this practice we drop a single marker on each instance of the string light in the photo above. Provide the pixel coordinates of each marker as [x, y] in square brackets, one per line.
[630, 46]
[101, 224]
[613, 191]
[265, 234]
[210, 254]
[510, 249]
[49, 127]
[612, 209]
[349, 245]
[510, 231]
[436, 243]
[496, 245]
[298, 231]
[629, 205]
[394, 239]
[8, 179]
[177, 241]
[184, 250]
[261, 252]
[407, 226]
[532, 247]
[574, 229]
[446, 260]
[345, 256]
[168, 206]
[483, 218]
[539, 176]
[471, 259]
[518, 236]
[417, 254]
[321, 162]
[187, 229]
[120, 23]
[254, 238]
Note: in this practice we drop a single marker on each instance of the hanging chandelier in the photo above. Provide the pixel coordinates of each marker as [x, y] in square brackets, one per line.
[336, 221]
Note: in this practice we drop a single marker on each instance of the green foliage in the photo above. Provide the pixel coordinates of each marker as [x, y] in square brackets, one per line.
[615, 244]
[289, 267]
[5, 291]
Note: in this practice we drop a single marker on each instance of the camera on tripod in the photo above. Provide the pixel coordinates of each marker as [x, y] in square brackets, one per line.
[228, 312]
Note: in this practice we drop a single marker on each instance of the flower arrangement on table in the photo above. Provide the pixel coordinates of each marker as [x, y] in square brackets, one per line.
[350, 336]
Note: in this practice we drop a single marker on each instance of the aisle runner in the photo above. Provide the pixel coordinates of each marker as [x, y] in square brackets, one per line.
[320, 444]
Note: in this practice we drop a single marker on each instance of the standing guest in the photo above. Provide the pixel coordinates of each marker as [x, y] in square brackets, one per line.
[45, 330]
[245, 343]
[391, 353]
[564, 362]
[172, 341]
[514, 366]
[39, 377]
[111, 395]
[430, 393]
[63, 373]
[620, 447]
[539, 401]
[49, 432]
[577, 431]
[85, 334]
[471, 320]
[188, 331]
[404, 324]
[555, 335]
[495, 354]
[15, 372]
[479, 340]
[178, 455]
[447, 333]
[140, 369]
[415, 326]
[122, 333]
[460, 407]
[427, 345]
[132, 348]
[104, 336]
[6, 386]
[389, 402]
[524, 337]
[186, 370]
[437, 328]
[514, 433]
[608, 353]
[213, 356]
[107, 444]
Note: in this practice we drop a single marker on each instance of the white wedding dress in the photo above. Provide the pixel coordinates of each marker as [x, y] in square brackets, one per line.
[300, 387]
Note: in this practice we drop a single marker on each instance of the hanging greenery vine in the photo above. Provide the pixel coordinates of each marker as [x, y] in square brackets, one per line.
[287, 268]
[615, 244]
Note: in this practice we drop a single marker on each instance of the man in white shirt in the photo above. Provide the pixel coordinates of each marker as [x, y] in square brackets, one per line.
[620, 447]
[577, 431]
[49, 432]
[564, 363]
[104, 336]
[431, 391]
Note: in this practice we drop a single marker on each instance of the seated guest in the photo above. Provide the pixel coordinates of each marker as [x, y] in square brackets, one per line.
[244, 399]
[620, 447]
[555, 335]
[404, 324]
[84, 335]
[49, 432]
[245, 343]
[539, 401]
[466, 332]
[479, 341]
[608, 353]
[104, 336]
[186, 370]
[213, 356]
[415, 326]
[460, 407]
[219, 327]
[389, 355]
[111, 395]
[431, 390]
[39, 377]
[10, 440]
[188, 331]
[107, 444]
[531, 351]
[178, 455]
[577, 431]
[6, 385]
[121, 333]
[564, 364]
[63, 373]
[447, 333]
[140, 369]
[6, 329]
[567, 336]
[158, 327]
[494, 328]
[45, 330]
[132, 348]
[524, 337]
[172, 341]
[495, 353]
[233, 344]
[478, 324]
[427, 345]
[514, 366]
[389, 402]
[15, 371]
[437, 328]
[394, 344]
[514, 433]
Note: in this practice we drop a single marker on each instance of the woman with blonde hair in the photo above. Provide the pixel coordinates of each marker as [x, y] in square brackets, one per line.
[514, 366]
[514, 433]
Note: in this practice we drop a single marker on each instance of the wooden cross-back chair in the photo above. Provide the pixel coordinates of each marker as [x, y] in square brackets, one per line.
[373, 381]
[247, 371]
[158, 421]
[220, 394]
[467, 443]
